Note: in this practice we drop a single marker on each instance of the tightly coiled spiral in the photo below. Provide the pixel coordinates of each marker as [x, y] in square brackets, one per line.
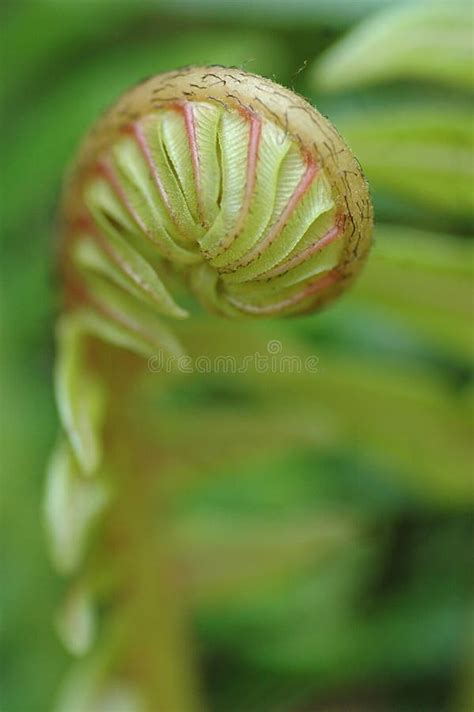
[235, 181]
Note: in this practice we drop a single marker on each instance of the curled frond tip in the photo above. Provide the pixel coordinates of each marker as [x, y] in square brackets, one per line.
[235, 182]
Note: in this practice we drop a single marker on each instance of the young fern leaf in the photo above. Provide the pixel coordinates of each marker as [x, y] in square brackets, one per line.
[243, 191]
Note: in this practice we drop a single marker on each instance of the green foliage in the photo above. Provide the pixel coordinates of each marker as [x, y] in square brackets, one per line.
[418, 40]
[419, 151]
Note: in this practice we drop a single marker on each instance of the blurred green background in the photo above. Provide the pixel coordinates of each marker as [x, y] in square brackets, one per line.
[332, 531]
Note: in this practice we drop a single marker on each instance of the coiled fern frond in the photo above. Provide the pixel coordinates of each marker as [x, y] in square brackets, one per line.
[236, 187]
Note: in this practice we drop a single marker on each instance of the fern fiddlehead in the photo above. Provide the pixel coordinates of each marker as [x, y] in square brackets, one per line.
[236, 187]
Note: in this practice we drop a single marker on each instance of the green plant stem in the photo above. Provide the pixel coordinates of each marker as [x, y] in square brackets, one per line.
[149, 601]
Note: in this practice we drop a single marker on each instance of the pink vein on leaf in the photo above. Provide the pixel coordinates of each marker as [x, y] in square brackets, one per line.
[311, 289]
[333, 234]
[300, 191]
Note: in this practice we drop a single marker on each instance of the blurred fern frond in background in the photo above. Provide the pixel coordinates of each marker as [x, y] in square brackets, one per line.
[327, 540]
